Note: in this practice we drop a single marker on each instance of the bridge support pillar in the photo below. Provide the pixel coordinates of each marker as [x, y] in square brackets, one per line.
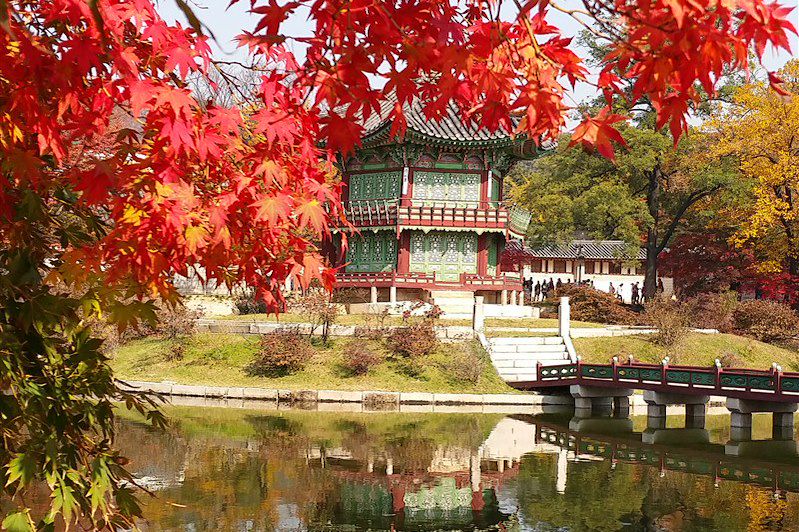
[590, 400]
[741, 411]
[658, 401]
[557, 404]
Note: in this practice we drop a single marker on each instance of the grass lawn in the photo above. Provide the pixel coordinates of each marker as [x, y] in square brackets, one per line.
[361, 319]
[220, 359]
[695, 349]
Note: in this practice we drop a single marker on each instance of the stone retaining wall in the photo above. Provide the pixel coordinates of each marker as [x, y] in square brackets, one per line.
[369, 397]
[452, 332]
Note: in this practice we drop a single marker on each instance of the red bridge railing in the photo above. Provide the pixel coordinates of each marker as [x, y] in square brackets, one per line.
[769, 385]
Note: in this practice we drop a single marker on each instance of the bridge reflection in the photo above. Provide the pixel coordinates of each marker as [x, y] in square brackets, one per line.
[771, 463]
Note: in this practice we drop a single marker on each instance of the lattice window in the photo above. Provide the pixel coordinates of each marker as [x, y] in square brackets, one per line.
[470, 249]
[417, 248]
[452, 249]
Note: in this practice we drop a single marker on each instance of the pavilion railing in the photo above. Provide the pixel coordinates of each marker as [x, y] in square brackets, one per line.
[429, 211]
[503, 281]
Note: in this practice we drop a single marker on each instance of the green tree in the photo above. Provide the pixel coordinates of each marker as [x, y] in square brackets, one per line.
[642, 196]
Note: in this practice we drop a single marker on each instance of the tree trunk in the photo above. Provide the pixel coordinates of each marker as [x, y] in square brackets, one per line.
[653, 204]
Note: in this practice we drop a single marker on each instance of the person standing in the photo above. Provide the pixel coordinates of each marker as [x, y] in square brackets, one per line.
[551, 287]
[620, 293]
[559, 283]
[537, 291]
[660, 288]
[635, 294]
[612, 289]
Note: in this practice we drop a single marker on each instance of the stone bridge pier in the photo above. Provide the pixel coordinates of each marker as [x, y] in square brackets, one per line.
[592, 401]
[656, 403]
[741, 411]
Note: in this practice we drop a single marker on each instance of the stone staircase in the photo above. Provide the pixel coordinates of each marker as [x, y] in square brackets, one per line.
[454, 303]
[516, 358]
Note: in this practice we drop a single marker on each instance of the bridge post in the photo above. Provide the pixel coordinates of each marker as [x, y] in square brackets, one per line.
[564, 318]
[478, 315]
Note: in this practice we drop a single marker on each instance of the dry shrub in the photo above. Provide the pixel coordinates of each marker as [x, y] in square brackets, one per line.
[316, 306]
[466, 366]
[360, 357]
[669, 318]
[374, 325]
[589, 304]
[413, 341]
[347, 296]
[176, 351]
[768, 321]
[176, 322]
[247, 303]
[281, 353]
[712, 310]
[731, 360]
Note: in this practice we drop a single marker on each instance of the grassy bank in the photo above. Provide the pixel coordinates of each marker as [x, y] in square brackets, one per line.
[695, 349]
[221, 359]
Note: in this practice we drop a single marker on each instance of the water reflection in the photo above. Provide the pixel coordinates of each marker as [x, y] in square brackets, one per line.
[219, 469]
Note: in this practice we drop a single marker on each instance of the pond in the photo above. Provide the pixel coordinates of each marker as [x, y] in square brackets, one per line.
[252, 470]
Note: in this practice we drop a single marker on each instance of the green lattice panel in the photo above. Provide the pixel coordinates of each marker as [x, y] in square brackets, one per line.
[597, 372]
[454, 188]
[682, 377]
[789, 480]
[708, 379]
[629, 373]
[790, 384]
[761, 383]
[701, 467]
[651, 375]
[747, 381]
[378, 185]
[372, 252]
[445, 253]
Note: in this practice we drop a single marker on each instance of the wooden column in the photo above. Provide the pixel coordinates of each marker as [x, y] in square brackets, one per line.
[482, 254]
[485, 191]
[404, 252]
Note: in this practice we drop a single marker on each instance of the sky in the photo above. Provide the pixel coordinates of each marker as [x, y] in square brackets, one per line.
[227, 22]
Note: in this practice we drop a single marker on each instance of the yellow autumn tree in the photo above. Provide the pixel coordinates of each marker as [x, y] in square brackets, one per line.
[761, 128]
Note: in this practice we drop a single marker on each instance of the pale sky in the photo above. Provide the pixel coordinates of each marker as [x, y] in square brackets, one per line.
[226, 23]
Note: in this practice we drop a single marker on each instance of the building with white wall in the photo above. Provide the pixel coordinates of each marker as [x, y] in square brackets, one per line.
[602, 262]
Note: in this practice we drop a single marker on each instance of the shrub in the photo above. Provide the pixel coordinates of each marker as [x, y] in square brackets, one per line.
[374, 325]
[589, 304]
[176, 351]
[731, 360]
[413, 341]
[712, 310]
[247, 303]
[315, 305]
[465, 366]
[767, 321]
[669, 318]
[176, 322]
[347, 296]
[281, 353]
[360, 357]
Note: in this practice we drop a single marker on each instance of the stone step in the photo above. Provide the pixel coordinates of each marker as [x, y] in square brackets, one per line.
[527, 340]
[527, 362]
[550, 355]
[528, 348]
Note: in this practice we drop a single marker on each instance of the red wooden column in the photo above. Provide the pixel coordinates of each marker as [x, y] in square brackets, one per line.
[404, 252]
[405, 199]
[482, 254]
[484, 188]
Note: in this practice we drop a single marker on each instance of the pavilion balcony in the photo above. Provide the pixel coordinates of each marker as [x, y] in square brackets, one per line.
[428, 281]
[437, 213]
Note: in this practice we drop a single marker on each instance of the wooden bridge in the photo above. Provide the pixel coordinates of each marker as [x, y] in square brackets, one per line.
[749, 384]
[595, 387]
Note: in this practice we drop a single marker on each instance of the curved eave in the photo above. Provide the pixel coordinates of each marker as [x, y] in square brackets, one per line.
[381, 136]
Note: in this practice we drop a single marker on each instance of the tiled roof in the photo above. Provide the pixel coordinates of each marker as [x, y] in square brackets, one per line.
[588, 249]
[449, 127]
